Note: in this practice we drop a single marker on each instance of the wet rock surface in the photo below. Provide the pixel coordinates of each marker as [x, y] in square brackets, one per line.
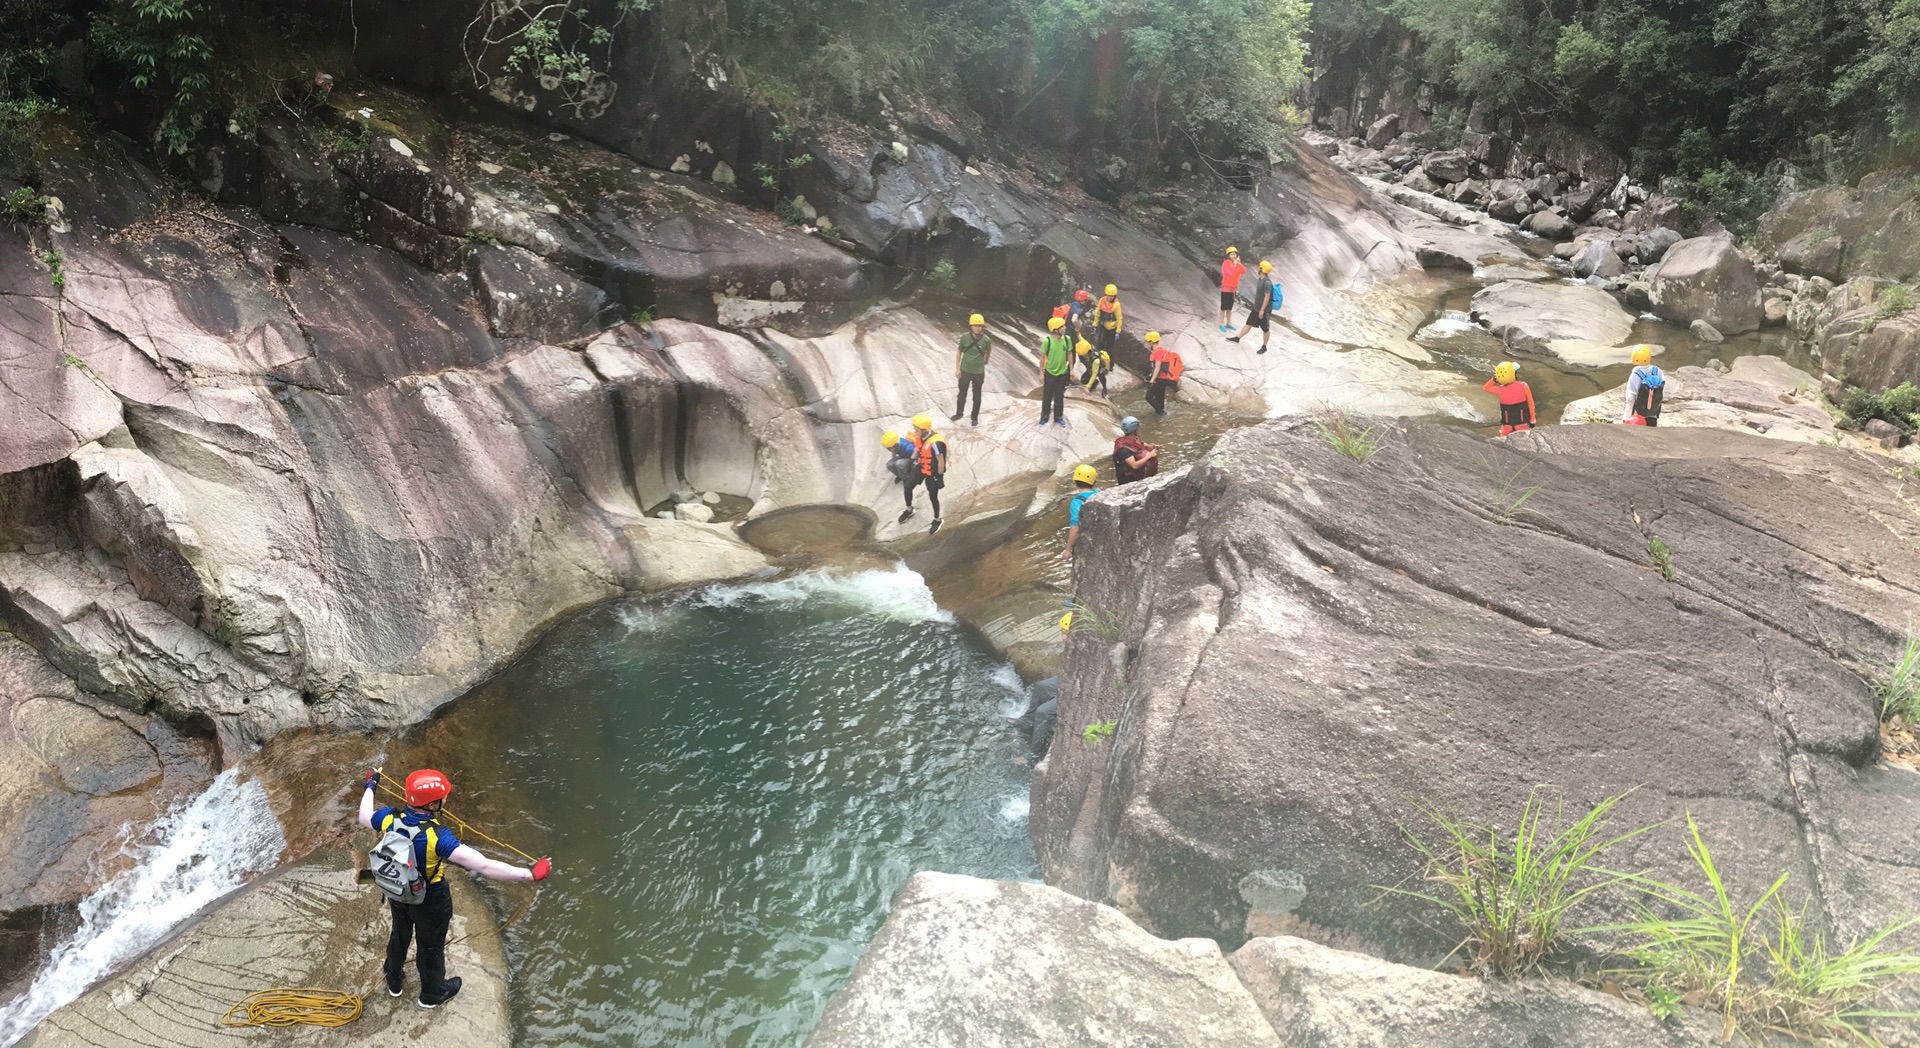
[1763, 395]
[308, 925]
[1306, 661]
[1577, 323]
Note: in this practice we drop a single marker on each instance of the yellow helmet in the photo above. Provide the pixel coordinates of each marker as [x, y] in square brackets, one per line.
[1266, 266]
[1085, 474]
[1504, 371]
[889, 439]
[923, 422]
[1153, 336]
[1643, 354]
[977, 319]
[1056, 323]
[1066, 622]
[1233, 251]
[1083, 348]
[1113, 289]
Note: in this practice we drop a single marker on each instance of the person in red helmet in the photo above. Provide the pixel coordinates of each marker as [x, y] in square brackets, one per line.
[410, 866]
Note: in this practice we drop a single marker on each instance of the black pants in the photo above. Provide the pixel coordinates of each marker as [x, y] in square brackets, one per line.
[974, 382]
[1157, 394]
[1053, 397]
[1097, 380]
[1652, 420]
[1104, 338]
[426, 921]
[913, 481]
[934, 484]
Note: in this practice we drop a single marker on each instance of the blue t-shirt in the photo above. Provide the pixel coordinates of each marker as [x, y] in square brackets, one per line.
[430, 849]
[1073, 508]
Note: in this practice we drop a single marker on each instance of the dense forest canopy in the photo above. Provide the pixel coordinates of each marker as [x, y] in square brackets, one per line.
[1687, 87]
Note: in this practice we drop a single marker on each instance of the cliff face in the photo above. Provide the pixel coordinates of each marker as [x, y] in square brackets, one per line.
[1298, 649]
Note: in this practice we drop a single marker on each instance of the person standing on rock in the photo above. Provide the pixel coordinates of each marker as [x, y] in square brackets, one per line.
[933, 465]
[1516, 398]
[1646, 388]
[1108, 320]
[1094, 366]
[1056, 361]
[1079, 326]
[410, 863]
[1083, 478]
[1133, 458]
[911, 441]
[1231, 271]
[1266, 299]
[1165, 376]
[970, 366]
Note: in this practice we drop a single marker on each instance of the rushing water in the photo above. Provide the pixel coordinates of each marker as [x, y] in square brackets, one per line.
[193, 856]
[734, 785]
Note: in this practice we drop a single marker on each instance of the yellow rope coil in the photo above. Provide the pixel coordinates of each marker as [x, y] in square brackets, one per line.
[287, 1006]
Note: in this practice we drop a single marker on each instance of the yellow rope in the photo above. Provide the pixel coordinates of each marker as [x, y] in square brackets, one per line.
[282, 1006]
[306, 1006]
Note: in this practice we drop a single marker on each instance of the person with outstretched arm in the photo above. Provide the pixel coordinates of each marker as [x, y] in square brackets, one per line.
[1266, 301]
[410, 862]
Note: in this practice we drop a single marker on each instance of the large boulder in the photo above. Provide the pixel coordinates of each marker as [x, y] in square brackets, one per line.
[1706, 278]
[1757, 394]
[1815, 253]
[1548, 225]
[1336, 999]
[1863, 346]
[1447, 166]
[1578, 323]
[1382, 131]
[962, 961]
[1329, 643]
[1876, 224]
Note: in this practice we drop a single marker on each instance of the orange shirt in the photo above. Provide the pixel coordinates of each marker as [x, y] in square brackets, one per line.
[1230, 273]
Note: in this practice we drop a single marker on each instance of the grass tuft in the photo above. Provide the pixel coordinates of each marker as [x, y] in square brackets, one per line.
[1342, 435]
[1662, 556]
[1512, 894]
[1900, 694]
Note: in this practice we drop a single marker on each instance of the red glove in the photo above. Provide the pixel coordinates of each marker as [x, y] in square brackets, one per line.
[541, 869]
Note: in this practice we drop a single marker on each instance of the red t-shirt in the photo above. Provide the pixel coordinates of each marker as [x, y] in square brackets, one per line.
[1230, 273]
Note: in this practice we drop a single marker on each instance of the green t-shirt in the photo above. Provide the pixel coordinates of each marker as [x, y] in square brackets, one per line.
[1058, 354]
[973, 352]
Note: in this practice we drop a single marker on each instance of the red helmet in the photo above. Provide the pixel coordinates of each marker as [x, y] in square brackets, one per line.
[426, 786]
[1083, 295]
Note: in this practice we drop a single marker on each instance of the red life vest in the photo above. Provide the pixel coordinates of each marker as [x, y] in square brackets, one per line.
[1516, 404]
[1171, 359]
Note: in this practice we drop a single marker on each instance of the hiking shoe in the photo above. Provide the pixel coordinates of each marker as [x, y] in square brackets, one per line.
[973, 422]
[1233, 338]
[955, 417]
[1223, 327]
[395, 985]
[904, 514]
[1062, 423]
[934, 528]
[448, 990]
[1263, 349]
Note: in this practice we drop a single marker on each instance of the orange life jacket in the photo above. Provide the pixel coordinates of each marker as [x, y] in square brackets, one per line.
[926, 452]
[1171, 360]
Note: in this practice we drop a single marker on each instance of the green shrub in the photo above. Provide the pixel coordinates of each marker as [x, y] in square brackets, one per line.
[1095, 734]
[1756, 964]
[1899, 405]
[1900, 693]
[1662, 556]
[164, 48]
[942, 275]
[25, 205]
[790, 212]
[1513, 894]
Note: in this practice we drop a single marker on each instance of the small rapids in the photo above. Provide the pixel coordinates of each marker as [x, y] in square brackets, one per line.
[189, 859]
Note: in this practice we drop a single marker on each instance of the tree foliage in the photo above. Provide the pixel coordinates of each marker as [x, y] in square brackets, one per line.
[1225, 72]
[1684, 87]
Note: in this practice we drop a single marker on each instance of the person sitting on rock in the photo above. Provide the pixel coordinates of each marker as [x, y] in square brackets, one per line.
[1646, 388]
[1083, 478]
[1231, 271]
[970, 366]
[1165, 376]
[1266, 301]
[911, 441]
[1094, 365]
[1108, 320]
[1133, 458]
[430, 910]
[902, 457]
[1516, 399]
[933, 465]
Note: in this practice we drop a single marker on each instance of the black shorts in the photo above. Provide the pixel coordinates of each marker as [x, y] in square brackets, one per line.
[934, 482]
[1226, 299]
[1258, 320]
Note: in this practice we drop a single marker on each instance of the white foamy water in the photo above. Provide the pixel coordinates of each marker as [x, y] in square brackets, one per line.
[1451, 324]
[900, 594]
[190, 858]
[1014, 810]
[1009, 680]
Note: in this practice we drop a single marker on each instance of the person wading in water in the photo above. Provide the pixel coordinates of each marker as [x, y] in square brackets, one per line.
[410, 866]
